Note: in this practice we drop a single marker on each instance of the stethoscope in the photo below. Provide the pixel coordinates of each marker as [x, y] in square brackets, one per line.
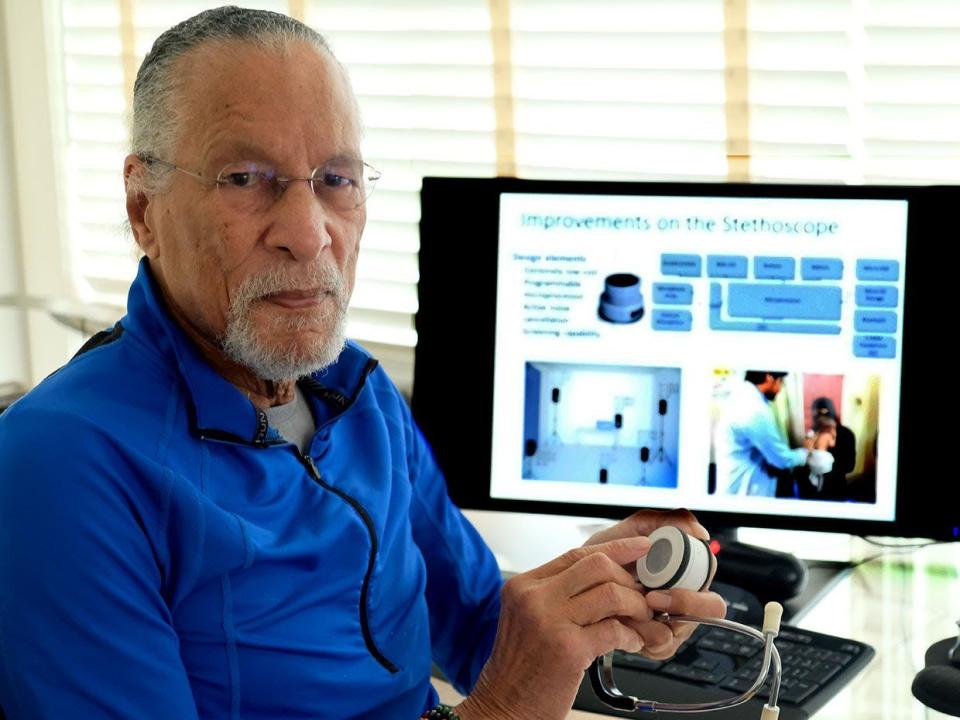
[677, 560]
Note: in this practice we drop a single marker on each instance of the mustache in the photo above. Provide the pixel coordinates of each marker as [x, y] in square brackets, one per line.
[321, 276]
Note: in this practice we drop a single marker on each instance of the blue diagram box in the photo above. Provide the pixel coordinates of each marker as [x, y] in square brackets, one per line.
[874, 346]
[676, 320]
[727, 266]
[672, 294]
[876, 296]
[774, 268]
[878, 270]
[682, 265]
[821, 268]
[794, 302]
[875, 321]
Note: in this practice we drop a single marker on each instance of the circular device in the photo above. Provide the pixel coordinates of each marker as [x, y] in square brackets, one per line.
[621, 301]
[676, 560]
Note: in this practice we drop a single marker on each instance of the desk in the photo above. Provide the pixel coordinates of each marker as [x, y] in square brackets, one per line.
[900, 603]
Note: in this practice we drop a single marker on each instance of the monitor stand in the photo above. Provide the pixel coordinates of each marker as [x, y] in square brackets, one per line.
[773, 575]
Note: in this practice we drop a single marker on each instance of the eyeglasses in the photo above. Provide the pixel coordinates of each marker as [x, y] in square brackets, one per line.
[253, 187]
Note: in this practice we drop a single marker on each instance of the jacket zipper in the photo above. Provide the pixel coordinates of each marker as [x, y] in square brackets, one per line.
[371, 531]
[259, 440]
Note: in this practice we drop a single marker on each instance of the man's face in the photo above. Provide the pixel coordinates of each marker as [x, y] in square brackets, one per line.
[774, 385]
[268, 287]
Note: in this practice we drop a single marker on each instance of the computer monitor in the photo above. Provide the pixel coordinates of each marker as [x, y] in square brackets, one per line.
[590, 348]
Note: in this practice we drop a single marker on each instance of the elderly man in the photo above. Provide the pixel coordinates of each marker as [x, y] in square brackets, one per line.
[219, 508]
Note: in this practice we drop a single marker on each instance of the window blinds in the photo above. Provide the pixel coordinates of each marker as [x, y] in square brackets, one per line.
[795, 90]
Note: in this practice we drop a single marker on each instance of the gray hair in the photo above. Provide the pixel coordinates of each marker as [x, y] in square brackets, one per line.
[156, 121]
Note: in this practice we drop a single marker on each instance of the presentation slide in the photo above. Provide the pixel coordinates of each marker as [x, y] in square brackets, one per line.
[736, 354]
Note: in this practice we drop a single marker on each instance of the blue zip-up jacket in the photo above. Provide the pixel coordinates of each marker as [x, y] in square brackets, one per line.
[165, 554]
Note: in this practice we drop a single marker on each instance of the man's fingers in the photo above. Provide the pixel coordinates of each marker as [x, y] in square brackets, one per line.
[687, 602]
[659, 639]
[606, 601]
[593, 570]
[644, 522]
[622, 551]
[679, 602]
[609, 635]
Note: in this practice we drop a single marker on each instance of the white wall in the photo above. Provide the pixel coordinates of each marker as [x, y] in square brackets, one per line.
[29, 54]
[13, 345]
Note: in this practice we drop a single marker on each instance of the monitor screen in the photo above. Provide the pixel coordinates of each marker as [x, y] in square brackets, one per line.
[739, 350]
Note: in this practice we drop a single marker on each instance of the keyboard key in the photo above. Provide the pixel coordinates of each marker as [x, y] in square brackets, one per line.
[738, 685]
[793, 637]
[822, 672]
[636, 661]
[708, 643]
[785, 682]
[841, 658]
[796, 693]
[690, 673]
[723, 635]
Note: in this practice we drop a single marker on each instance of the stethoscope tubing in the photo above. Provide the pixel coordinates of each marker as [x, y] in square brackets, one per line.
[604, 684]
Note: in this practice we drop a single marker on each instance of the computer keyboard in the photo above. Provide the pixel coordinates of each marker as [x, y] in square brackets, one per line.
[716, 663]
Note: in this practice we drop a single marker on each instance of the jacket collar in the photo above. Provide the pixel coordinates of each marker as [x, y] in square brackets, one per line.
[219, 409]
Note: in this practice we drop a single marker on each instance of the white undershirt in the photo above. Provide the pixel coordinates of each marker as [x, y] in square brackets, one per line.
[293, 420]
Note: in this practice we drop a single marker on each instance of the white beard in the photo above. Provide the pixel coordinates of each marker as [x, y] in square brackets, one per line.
[249, 344]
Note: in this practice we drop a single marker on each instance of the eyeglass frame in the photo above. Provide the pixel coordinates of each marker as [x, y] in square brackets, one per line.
[276, 183]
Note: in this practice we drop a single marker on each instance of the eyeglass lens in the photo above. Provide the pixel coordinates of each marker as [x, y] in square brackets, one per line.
[254, 186]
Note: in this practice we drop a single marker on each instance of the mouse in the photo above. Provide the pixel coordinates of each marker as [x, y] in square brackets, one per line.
[768, 574]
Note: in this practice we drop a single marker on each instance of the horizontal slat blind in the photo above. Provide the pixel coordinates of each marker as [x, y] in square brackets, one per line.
[831, 91]
[619, 89]
[422, 76]
[912, 91]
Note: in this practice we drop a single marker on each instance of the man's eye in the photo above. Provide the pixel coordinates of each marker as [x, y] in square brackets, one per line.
[334, 180]
[242, 179]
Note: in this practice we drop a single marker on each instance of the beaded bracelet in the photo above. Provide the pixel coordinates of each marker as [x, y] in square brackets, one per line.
[440, 712]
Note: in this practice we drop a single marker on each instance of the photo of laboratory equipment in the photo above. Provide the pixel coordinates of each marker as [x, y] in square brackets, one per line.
[601, 424]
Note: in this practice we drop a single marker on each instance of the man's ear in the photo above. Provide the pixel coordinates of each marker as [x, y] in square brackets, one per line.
[138, 205]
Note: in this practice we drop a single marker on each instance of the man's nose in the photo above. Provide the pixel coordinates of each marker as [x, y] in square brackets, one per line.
[302, 222]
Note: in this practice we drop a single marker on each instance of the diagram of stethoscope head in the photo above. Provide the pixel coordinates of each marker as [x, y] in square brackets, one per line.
[621, 300]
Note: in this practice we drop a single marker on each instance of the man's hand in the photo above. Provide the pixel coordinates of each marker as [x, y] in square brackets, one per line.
[661, 640]
[554, 621]
[557, 618]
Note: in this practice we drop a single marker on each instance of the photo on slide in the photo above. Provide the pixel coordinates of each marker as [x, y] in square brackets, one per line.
[791, 434]
[601, 424]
